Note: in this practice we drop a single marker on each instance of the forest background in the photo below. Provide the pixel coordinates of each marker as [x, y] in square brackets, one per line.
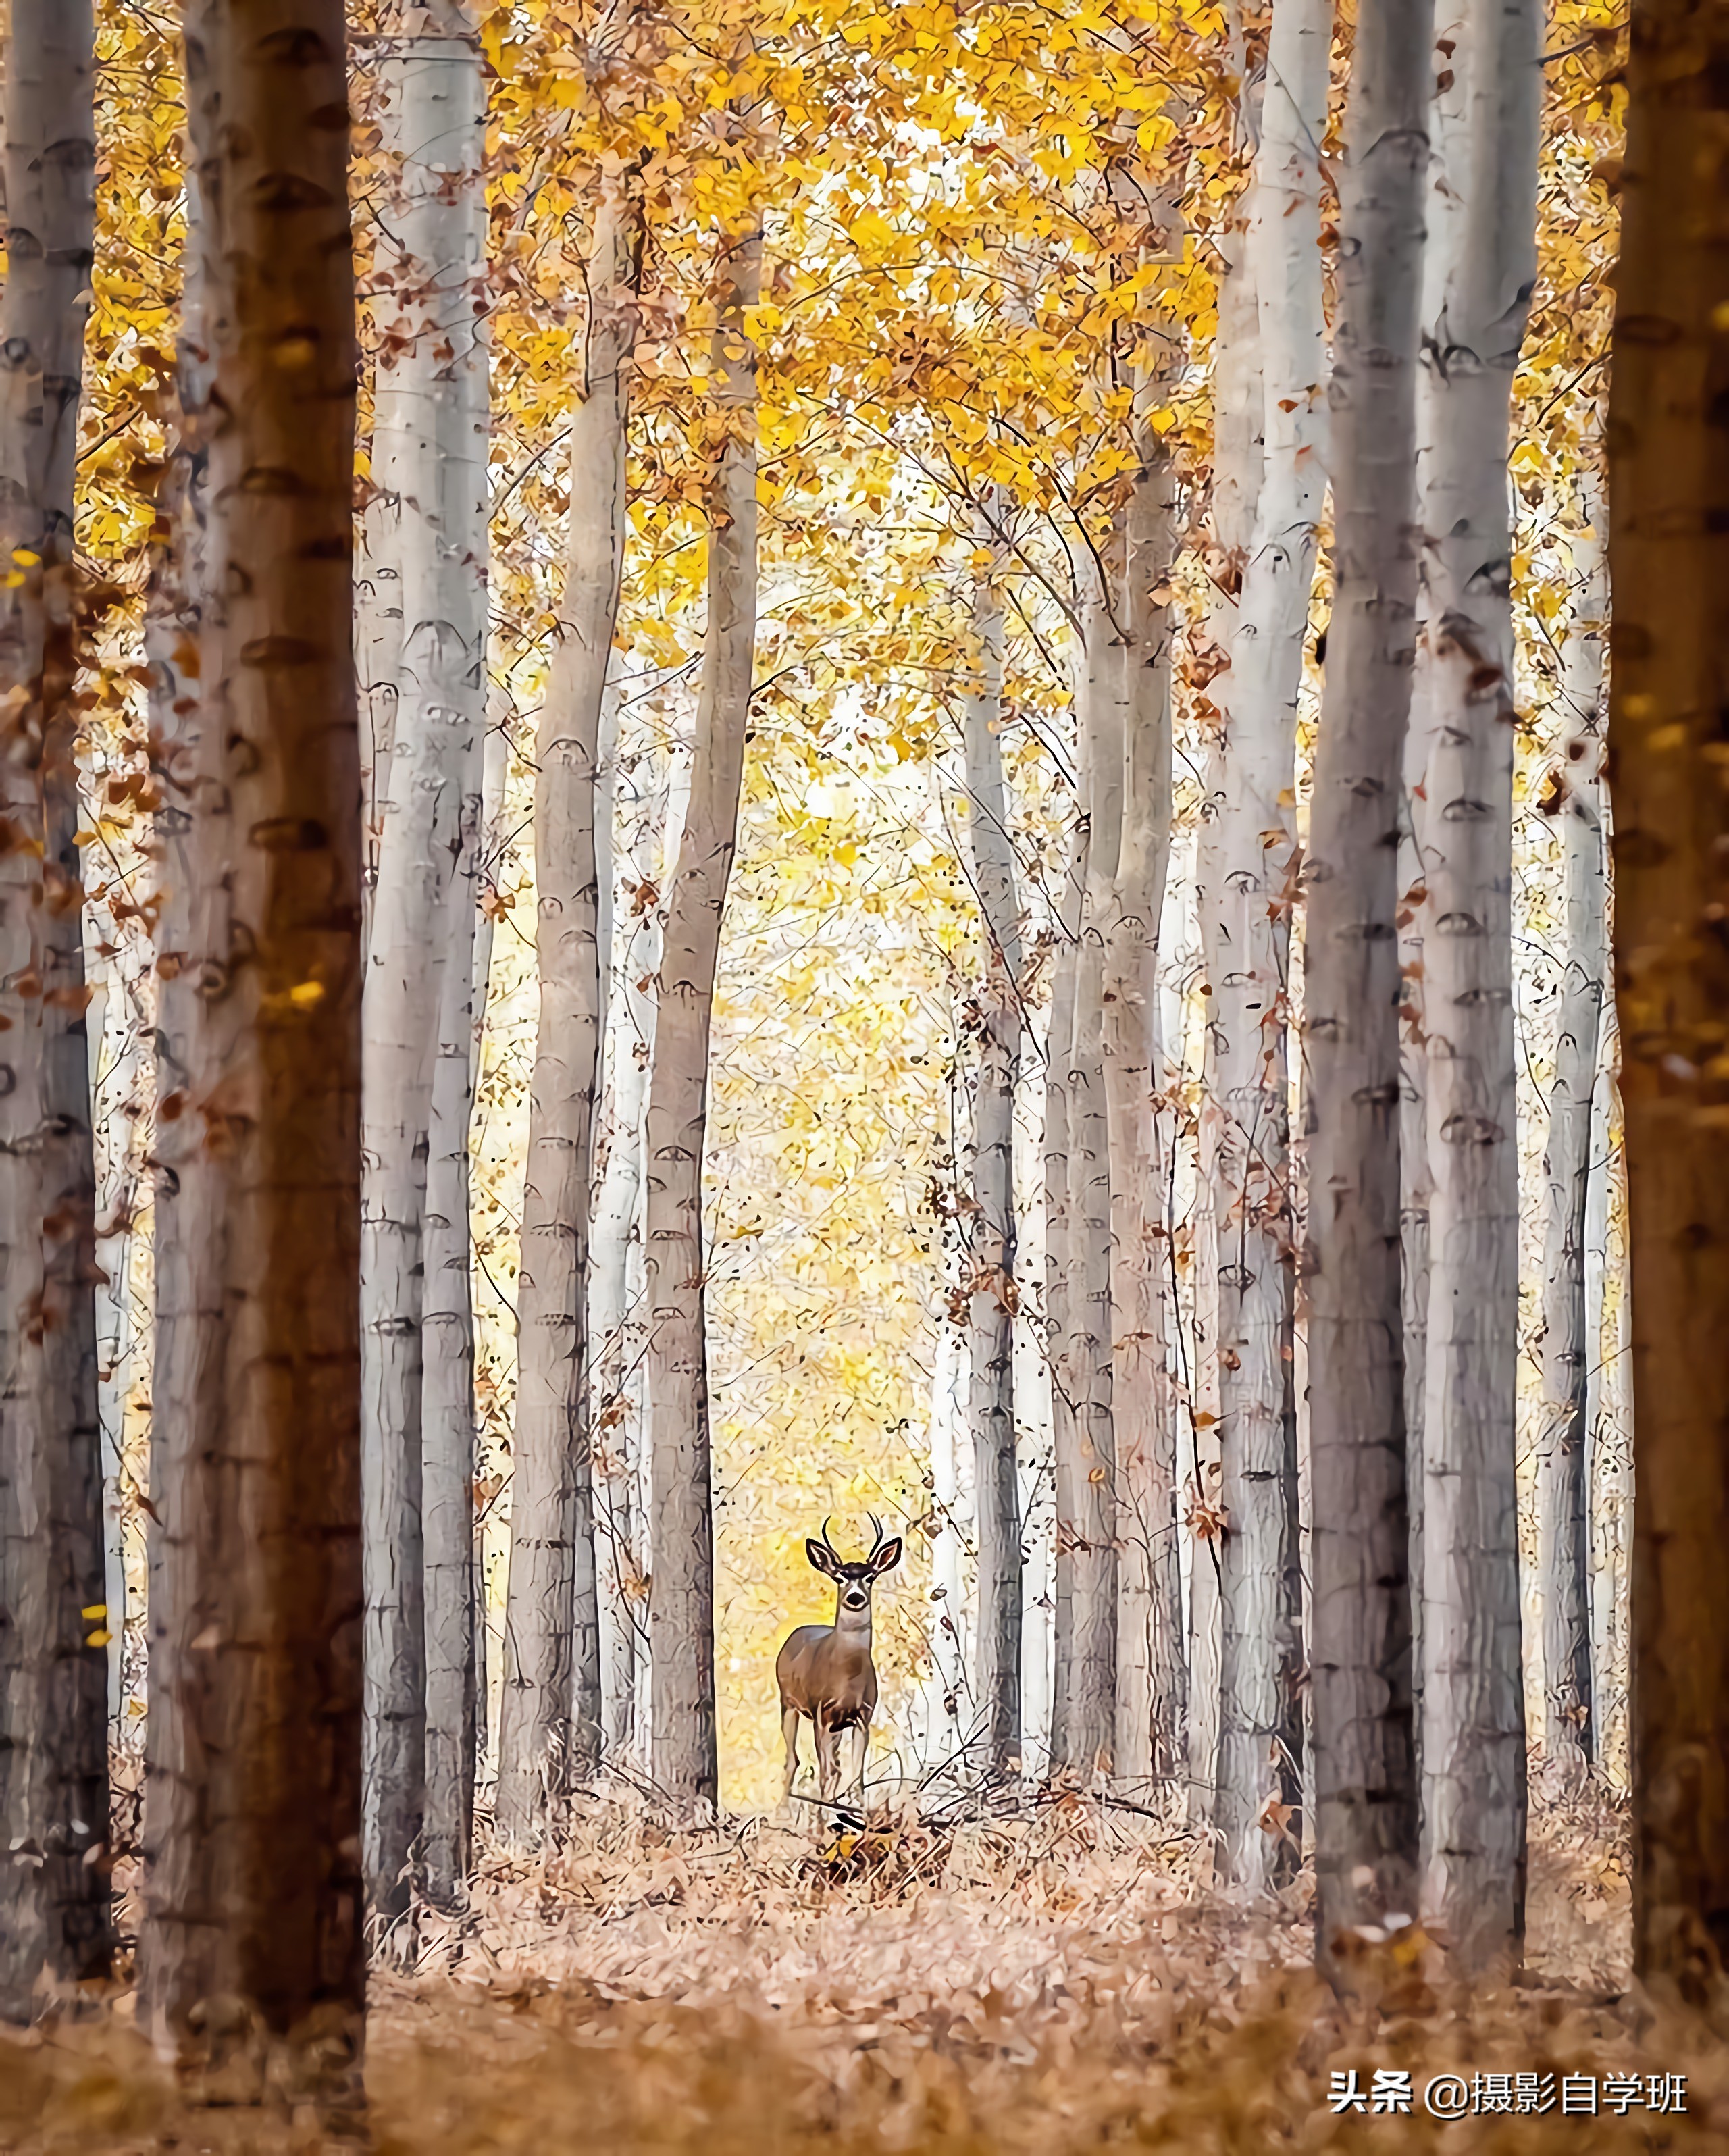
[942, 278]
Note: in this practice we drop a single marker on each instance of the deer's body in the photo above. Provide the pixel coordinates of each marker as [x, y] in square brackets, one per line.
[825, 1672]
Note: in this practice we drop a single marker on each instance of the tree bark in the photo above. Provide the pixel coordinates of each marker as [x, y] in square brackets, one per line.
[1472, 1742]
[429, 399]
[615, 1300]
[1151, 1668]
[1261, 1735]
[1563, 1486]
[55, 1622]
[1360, 1651]
[1060, 1244]
[991, 1408]
[549, 1730]
[252, 1950]
[1668, 561]
[1086, 1517]
[1238, 458]
[681, 1604]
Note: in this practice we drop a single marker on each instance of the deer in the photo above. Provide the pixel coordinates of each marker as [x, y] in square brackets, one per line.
[825, 1672]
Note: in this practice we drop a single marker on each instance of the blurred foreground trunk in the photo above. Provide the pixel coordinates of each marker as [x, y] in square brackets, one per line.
[54, 1620]
[251, 1959]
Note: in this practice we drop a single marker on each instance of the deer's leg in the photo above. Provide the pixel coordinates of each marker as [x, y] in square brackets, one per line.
[860, 1736]
[789, 1731]
[828, 1758]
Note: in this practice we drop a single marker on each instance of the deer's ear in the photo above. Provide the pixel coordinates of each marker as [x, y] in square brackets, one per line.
[819, 1556]
[887, 1558]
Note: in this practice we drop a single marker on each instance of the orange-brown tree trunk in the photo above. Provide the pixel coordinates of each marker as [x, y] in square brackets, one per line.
[252, 1963]
[1668, 557]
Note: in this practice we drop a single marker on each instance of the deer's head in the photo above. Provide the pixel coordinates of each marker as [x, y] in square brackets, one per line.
[853, 1577]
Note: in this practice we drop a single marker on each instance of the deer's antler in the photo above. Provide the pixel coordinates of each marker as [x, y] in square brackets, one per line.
[882, 1534]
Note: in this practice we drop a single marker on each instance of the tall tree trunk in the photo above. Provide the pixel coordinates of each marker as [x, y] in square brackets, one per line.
[1151, 1665]
[54, 1925]
[1238, 457]
[252, 1941]
[429, 399]
[1669, 565]
[1059, 1244]
[1450, 155]
[1473, 1731]
[1261, 1736]
[1563, 1482]
[549, 1728]
[1086, 1519]
[993, 1301]
[1360, 1633]
[616, 1287]
[681, 1604]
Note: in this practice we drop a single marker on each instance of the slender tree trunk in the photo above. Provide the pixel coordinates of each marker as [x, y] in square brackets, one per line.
[252, 1942]
[681, 1607]
[1473, 1731]
[615, 1296]
[549, 1728]
[55, 1622]
[1360, 1651]
[1450, 157]
[1059, 1243]
[1669, 565]
[1238, 458]
[1151, 1667]
[1087, 1521]
[1261, 1737]
[992, 1302]
[1564, 1488]
[430, 401]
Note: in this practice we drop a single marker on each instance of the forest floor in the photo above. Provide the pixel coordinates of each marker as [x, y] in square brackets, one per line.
[1037, 1984]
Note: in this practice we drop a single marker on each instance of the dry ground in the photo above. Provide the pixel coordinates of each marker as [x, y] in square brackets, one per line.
[1035, 1985]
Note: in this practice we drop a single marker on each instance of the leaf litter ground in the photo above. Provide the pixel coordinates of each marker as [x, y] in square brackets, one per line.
[1056, 1979]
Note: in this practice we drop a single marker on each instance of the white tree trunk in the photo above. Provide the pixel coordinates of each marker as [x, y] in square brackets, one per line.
[54, 1922]
[1060, 1242]
[1086, 1518]
[1360, 1658]
[681, 1606]
[549, 1728]
[615, 1296]
[430, 395]
[1239, 407]
[992, 1233]
[1569, 1351]
[1150, 1662]
[1473, 1725]
[1257, 864]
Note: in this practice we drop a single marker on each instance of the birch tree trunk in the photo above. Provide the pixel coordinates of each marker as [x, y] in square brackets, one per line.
[1261, 1737]
[430, 397]
[54, 1923]
[1360, 1651]
[681, 1605]
[1473, 1730]
[1569, 1350]
[1238, 450]
[1669, 563]
[993, 1300]
[1086, 1518]
[549, 1728]
[1060, 1245]
[615, 1300]
[1149, 1666]
[252, 1949]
